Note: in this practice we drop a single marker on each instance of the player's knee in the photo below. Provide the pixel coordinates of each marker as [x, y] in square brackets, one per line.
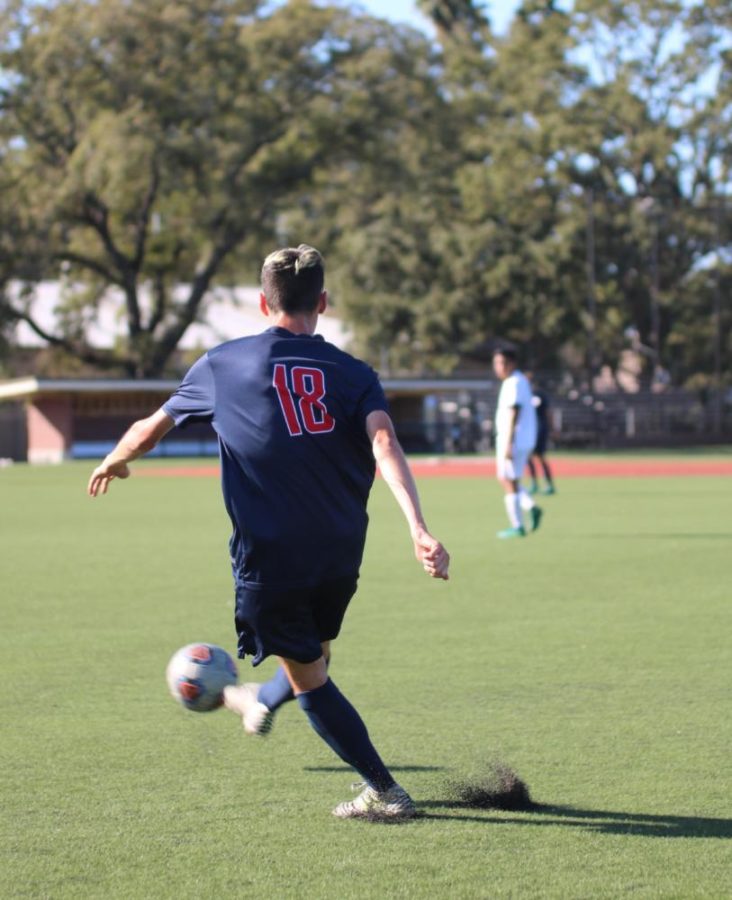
[306, 676]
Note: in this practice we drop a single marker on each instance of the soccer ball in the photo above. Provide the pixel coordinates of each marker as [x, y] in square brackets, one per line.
[197, 675]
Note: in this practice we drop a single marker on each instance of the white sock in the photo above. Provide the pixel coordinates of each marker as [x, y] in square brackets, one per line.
[525, 499]
[513, 508]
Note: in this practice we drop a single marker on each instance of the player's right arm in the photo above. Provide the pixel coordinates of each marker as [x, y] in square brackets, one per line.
[514, 413]
[193, 400]
[396, 473]
[139, 439]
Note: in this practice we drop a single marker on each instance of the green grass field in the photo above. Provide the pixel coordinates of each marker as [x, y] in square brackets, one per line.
[593, 658]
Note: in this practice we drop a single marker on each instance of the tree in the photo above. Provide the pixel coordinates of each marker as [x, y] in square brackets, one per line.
[553, 186]
[470, 244]
[657, 83]
[147, 142]
[519, 259]
[383, 215]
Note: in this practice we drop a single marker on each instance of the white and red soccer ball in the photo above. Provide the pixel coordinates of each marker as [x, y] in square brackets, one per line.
[197, 675]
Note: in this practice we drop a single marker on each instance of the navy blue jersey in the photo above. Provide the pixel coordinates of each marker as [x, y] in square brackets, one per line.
[540, 403]
[296, 462]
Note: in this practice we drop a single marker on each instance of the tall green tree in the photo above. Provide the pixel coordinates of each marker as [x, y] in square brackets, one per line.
[469, 244]
[518, 258]
[657, 69]
[150, 141]
[582, 150]
[557, 185]
[384, 217]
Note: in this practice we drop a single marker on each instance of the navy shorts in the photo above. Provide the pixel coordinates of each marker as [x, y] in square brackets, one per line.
[291, 623]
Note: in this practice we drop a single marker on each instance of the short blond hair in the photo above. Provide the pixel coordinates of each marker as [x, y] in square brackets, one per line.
[293, 279]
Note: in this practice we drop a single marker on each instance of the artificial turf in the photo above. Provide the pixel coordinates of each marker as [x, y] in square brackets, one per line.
[591, 658]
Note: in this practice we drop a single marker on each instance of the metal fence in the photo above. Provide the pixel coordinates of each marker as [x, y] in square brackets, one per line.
[674, 418]
[464, 424]
[460, 421]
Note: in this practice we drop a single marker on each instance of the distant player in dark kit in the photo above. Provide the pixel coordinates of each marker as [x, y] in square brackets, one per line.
[301, 425]
[540, 400]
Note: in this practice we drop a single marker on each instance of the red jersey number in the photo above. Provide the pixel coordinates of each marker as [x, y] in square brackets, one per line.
[307, 386]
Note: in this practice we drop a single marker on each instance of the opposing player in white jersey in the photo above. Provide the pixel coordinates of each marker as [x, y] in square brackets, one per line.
[515, 440]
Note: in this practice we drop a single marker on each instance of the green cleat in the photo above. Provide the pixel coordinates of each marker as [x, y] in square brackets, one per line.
[536, 514]
[549, 489]
[512, 533]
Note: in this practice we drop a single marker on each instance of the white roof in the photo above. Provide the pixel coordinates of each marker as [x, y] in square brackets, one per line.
[29, 386]
[225, 313]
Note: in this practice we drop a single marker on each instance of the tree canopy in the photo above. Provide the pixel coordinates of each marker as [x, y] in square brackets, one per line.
[147, 142]
[562, 185]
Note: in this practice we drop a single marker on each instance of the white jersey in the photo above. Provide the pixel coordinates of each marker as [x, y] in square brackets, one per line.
[516, 392]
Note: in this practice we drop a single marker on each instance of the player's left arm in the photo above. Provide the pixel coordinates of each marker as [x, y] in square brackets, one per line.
[139, 439]
[396, 473]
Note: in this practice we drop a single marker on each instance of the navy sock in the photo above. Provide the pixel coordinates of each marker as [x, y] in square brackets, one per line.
[341, 727]
[276, 691]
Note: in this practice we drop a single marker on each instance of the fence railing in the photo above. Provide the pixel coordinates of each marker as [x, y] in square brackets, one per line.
[455, 423]
[582, 421]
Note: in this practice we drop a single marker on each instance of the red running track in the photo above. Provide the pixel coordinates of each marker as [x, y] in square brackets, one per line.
[562, 467]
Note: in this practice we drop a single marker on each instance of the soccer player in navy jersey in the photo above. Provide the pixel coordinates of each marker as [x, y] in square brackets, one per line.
[301, 426]
[540, 400]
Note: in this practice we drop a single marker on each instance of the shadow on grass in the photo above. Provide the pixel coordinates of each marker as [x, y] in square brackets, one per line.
[600, 821]
[391, 769]
[639, 536]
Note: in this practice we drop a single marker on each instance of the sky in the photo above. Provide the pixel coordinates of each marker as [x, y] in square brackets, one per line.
[499, 12]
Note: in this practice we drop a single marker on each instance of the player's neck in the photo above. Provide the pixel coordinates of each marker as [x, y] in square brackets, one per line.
[303, 323]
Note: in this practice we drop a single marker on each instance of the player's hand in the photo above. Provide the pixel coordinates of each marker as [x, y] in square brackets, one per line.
[103, 474]
[430, 552]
